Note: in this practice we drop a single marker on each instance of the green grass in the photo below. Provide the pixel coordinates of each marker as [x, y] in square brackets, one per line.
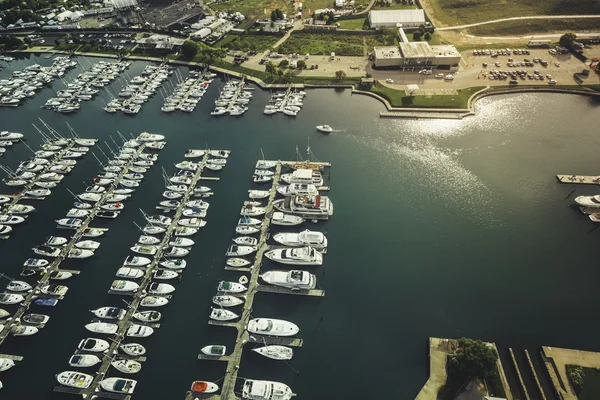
[323, 44]
[394, 6]
[591, 385]
[356, 23]
[535, 25]
[398, 98]
[247, 42]
[458, 12]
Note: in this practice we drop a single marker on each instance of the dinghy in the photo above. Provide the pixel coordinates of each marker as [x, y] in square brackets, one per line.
[204, 387]
[215, 350]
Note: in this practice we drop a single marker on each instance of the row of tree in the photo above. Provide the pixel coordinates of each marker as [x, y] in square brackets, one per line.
[189, 50]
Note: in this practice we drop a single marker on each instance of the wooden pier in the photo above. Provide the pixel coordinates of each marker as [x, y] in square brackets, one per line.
[581, 179]
[126, 322]
[298, 292]
[521, 382]
[55, 264]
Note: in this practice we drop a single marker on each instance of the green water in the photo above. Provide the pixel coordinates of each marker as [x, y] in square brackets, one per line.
[441, 228]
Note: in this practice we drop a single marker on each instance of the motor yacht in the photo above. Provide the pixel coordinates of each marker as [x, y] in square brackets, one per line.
[204, 387]
[133, 349]
[314, 239]
[266, 390]
[296, 256]
[147, 316]
[136, 330]
[221, 314]
[136, 261]
[231, 287]
[83, 360]
[309, 206]
[272, 327]
[174, 264]
[109, 313]
[118, 385]
[75, 379]
[227, 300]
[102, 327]
[294, 279]
[127, 366]
[123, 286]
[154, 301]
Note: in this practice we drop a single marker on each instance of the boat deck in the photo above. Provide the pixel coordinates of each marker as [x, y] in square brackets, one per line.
[581, 179]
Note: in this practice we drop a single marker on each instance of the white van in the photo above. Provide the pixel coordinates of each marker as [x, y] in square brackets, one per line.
[449, 77]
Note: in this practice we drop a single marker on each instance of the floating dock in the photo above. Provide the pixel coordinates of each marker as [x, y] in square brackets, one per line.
[581, 179]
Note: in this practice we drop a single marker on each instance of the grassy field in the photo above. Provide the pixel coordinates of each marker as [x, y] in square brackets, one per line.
[398, 98]
[458, 12]
[323, 44]
[535, 25]
[247, 42]
[356, 24]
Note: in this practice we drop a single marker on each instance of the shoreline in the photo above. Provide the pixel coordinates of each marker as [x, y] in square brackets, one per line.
[392, 112]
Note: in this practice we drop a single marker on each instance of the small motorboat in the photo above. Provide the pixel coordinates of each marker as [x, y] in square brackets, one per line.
[170, 204]
[7, 219]
[246, 230]
[79, 253]
[94, 232]
[6, 364]
[123, 286]
[136, 330]
[261, 179]
[147, 250]
[201, 189]
[3, 313]
[192, 153]
[11, 298]
[165, 275]
[219, 153]
[102, 327]
[118, 206]
[265, 164]
[87, 245]
[118, 385]
[46, 302]
[227, 300]
[245, 241]
[324, 128]
[77, 213]
[127, 366]
[136, 261]
[181, 242]
[38, 320]
[46, 251]
[29, 271]
[247, 221]
[109, 313]
[148, 316]
[282, 219]
[177, 188]
[154, 230]
[237, 262]
[24, 330]
[213, 167]
[107, 214]
[160, 288]
[71, 223]
[174, 264]
[172, 251]
[275, 352]
[236, 250]
[60, 275]
[148, 240]
[192, 222]
[231, 287]
[83, 360]
[129, 273]
[194, 212]
[18, 286]
[168, 194]
[215, 350]
[82, 206]
[75, 379]
[133, 349]
[93, 345]
[253, 211]
[154, 301]
[185, 231]
[261, 390]
[35, 263]
[204, 387]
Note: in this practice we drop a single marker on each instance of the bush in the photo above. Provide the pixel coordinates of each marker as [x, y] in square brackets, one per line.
[417, 36]
[300, 64]
[575, 374]
[189, 49]
[284, 63]
[427, 36]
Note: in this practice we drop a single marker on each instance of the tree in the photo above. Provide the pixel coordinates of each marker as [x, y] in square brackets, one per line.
[567, 40]
[422, 29]
[300, 64]
[330, 18]
[427, 36]
[189, 49]
[56, 42]
[576, 375]
[280, 72]
[276, 15]
[340, 75]
[475, 359]
[283, 63]
[417, 36]
[27, 41]
[288, 77]
[269, 68]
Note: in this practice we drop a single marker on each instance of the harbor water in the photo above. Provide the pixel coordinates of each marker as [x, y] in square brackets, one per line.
[441, 228]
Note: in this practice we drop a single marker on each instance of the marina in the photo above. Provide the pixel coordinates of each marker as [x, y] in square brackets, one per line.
[187, 92]
[233, 99]
[289, 102]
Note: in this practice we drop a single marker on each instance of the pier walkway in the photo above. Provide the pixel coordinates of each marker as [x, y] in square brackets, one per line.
[34, 293]
[556, 360]
[581, 179]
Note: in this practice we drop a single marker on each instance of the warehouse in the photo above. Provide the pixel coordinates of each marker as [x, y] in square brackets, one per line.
[407, 19]
[414, 56]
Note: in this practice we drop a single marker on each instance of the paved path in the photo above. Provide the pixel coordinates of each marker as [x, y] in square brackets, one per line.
[546, 36]
[448, 28]
[564, 357]
[366, 10]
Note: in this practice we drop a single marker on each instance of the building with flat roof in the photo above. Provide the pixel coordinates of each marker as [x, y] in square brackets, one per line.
[393, 18]
[416, 56]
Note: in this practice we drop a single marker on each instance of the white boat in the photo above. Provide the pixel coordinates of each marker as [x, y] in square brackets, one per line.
[94, 345]
[201, 189]
[168, 194]
[174, 264]
[60, 275]
[72, 223]
[258, 194]
[35, 319]
[219, 153]
[588, 201]
[147, 316]
[159, 220]
[136, 261]
[294, 279]
[203, 205]
[102, 327]
[252, 211]
[160, 288]
[261, 179]
[236, 250]
[237, 262]
[245, 241]
[79, 253]
[87, 244]
[272, 327]
[136, 330]
[148, 250]
[282, 219]
[11, 298]
[109, 313]
[123, 286]
[177, 188]
[118, 385]
[47, 251]
[83, 206]
[266, 390]
[154, 301]
[194, 212]
[75, 379]
[204, 387]
[20, 209]
[324, 128]
[38, 192]
[192, 222]
[35, 263]
[227, 300]
[154, 230]
[265, 164]
[275, 352]
[83, 360]
[22, 330]
[166, 275]
[309, 206]
[296, 256]
[192, 153]
[3, 313]
[303, 176]
[94, 232]
[213, 167]
[18, 286]
[149, 137]
[215, 350]
[55, 241]
[129, 273]
[6, 364]
[133, 349]
[77, 213]
[221, 314]
[127, 366]
[185, 231]
[7, 219]
[54, 289]
[247, 221]
[231, 287]
[107, 214]
[298, 189]
[118, 206]
[305, 238]
[88, 196]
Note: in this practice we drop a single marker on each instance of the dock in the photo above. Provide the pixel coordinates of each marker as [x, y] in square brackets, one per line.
[581, 179]
[556, 360]
[243, 336]
[55, 264]
[522, 386]
[126, 322]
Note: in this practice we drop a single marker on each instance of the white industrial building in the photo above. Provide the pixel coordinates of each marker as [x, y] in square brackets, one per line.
[414, 56]
[406, 19]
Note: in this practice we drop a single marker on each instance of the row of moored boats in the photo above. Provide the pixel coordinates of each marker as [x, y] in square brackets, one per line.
[233, 98]
[289, 103]
[188, 92]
